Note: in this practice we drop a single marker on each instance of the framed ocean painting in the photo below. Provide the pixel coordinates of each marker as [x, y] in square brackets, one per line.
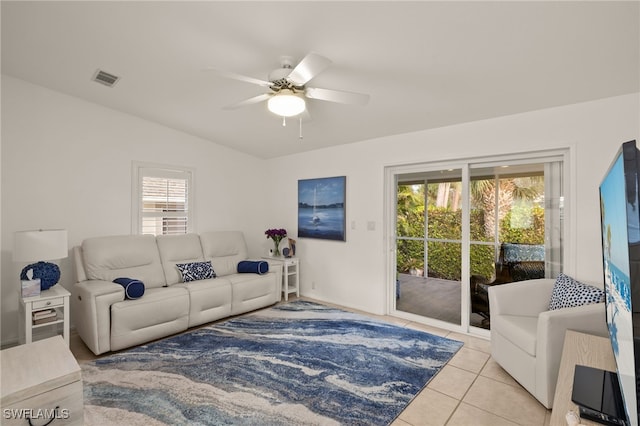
[321, 208]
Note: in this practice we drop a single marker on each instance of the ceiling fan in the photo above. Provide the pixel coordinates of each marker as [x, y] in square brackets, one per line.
[288, 87]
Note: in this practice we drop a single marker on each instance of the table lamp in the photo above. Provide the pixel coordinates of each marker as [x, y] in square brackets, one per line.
[40, 245]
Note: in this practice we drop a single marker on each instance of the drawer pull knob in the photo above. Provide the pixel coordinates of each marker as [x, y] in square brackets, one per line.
[48, 303]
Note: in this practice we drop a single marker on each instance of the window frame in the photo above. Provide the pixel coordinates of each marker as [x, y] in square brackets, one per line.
[139, 171]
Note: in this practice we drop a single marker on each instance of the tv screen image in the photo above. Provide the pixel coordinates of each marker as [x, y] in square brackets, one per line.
[620, 220]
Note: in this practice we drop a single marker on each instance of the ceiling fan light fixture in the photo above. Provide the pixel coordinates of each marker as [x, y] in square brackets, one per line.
[286, 103]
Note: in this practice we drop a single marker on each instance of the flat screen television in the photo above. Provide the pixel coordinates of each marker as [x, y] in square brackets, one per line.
[620, 226]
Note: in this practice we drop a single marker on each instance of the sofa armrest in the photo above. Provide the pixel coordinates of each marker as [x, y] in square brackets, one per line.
[523, 298]
[91, 302]
[275, 266]
[552, 326]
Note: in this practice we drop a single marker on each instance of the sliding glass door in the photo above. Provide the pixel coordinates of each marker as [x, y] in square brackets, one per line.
[459, 229]
[429, 242]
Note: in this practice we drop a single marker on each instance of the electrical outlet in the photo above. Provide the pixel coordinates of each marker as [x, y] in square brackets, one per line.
[313, 285]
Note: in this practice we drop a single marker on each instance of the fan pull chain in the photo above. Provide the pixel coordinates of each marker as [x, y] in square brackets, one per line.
[284, 124]
[300, 136]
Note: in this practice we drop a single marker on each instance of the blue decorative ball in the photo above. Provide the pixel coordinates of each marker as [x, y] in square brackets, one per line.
[49, 274]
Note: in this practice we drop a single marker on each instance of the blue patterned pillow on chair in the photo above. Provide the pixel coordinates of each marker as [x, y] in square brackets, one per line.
[196, 271]
[568, 293]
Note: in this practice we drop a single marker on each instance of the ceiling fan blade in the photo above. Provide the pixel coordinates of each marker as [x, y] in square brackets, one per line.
[337, 96]
[236, 76]
[310, 66]
[249, 101]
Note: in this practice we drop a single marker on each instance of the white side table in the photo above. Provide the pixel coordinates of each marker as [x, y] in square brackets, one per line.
[290, 275]
[56, 297]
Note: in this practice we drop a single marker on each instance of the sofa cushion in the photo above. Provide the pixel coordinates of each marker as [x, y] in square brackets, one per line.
[568, 293]
[514, 253]
[195, 271]
[176, 249]
[253, 291]
[108, 258]
[209, 300]
[161, 312]
[224, 249]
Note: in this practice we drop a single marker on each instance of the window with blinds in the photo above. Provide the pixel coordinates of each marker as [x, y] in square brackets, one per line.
[164, 200]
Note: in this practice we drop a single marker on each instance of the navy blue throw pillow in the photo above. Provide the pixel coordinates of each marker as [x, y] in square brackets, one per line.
[253, 267]
[133, 289]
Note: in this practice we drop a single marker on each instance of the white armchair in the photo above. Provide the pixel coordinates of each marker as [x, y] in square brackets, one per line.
[527, 338]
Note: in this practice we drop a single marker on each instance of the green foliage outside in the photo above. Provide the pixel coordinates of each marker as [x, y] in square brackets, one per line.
[515, 231]
[522, 224]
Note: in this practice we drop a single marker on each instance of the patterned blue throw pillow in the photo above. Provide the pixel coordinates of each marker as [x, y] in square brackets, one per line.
[568, 293]
[196, 271]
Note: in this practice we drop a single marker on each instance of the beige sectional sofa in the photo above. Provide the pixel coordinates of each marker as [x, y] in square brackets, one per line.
[107, 321]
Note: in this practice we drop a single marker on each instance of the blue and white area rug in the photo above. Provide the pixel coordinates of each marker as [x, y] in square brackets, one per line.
[292, 364]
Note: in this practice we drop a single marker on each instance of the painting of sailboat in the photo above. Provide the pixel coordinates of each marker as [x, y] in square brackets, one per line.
[321, 208]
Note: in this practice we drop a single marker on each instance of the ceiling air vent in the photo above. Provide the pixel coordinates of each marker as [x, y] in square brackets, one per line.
[105, 78]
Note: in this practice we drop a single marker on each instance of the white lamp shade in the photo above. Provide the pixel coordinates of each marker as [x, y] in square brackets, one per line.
[43, 244]
[286, 103]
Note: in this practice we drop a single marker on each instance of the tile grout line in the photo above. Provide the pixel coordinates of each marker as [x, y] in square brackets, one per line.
[483, 409]
[468, 389]
[461, 400]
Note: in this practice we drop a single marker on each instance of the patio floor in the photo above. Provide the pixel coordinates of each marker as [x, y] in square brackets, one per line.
[433, 298]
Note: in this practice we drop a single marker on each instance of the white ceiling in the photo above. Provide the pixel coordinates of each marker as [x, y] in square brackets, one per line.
[425, 64]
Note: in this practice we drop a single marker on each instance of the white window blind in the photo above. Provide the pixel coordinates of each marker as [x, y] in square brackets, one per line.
[164, 201]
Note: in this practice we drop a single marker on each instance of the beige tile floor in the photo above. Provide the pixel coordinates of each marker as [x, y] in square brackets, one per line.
[471, 390]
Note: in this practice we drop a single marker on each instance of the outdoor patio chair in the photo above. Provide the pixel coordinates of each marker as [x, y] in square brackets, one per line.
[516, 262]
[522, 261]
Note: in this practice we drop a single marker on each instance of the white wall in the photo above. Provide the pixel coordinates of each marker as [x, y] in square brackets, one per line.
[352, 273]
[66, 163]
